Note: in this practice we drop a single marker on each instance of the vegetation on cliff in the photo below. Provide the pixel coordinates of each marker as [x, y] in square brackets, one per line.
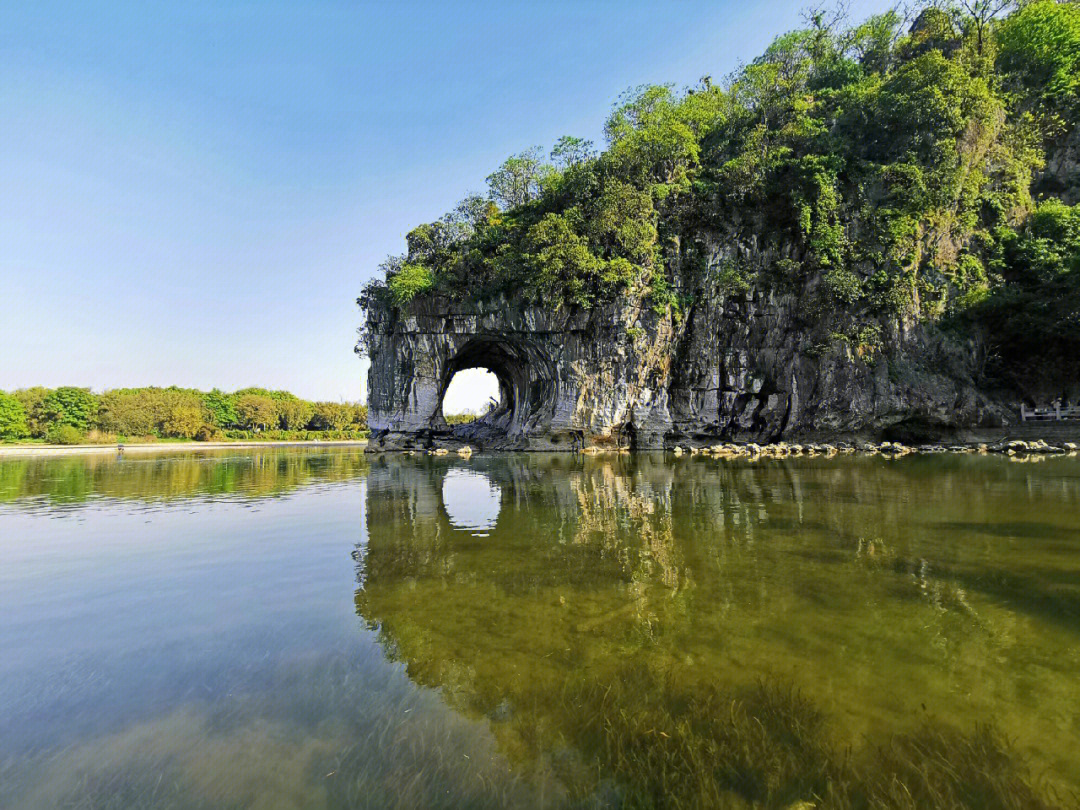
[69, 415]
[881, 171]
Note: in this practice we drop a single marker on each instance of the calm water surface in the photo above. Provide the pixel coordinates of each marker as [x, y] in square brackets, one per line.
[320, 628]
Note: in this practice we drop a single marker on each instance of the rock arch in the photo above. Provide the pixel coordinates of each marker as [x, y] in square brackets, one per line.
[562, 384]
[527, 387]
[733, 366]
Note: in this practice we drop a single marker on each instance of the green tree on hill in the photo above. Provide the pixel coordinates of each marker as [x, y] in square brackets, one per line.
[518, 180]
[570, 152]
[409, 281]
[1039, 54]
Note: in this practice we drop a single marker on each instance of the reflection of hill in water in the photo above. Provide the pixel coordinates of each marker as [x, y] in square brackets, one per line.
[248, 474]
[647, 622]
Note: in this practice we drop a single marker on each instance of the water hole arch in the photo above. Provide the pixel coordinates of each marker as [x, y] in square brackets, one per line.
[526, 387]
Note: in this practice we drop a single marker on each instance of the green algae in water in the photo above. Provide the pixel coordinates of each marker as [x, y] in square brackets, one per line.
[351, 631]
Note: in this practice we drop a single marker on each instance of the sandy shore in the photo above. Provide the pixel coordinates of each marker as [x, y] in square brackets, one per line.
[11, 450]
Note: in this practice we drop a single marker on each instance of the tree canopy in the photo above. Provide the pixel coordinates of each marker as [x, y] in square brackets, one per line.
[69, 415]
[12, 417]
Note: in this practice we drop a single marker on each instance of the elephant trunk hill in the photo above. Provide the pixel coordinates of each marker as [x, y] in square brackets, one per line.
[871, 230]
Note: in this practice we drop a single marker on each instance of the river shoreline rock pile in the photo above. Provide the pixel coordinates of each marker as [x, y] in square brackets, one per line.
[752, 451]
[1015, 448]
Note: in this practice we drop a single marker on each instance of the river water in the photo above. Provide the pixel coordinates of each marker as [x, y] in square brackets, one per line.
[320, 628]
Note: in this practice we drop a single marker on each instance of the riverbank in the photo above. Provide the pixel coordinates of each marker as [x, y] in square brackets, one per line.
[1032, 438]
[1015, 448]
[31, 450]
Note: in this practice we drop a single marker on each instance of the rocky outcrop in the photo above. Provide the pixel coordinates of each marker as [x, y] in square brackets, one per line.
[1061, 175]
[566, 377]
[750, 365]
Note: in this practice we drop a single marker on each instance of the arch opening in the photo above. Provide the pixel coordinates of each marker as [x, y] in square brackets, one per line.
[526, 390]
[471, 394]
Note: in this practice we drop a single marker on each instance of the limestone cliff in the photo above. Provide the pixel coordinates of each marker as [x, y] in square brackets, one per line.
[1061, 176]
[745, 365]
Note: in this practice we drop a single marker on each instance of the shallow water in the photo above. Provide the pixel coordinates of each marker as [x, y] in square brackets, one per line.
[320, 628]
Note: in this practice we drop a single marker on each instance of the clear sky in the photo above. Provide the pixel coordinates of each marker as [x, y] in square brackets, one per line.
[194, 193]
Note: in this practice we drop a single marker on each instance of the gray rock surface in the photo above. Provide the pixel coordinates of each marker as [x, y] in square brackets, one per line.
[1061, 176]
[751, 365]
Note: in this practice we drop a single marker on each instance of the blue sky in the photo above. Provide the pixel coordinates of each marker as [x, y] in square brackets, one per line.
[194, 193]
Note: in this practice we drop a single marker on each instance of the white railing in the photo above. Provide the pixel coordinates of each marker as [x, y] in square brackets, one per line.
[1055, 413]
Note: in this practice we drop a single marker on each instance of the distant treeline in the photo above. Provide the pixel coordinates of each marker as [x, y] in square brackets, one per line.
[70, 415]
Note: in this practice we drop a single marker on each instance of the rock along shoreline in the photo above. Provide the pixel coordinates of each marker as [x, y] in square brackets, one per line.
[752, 451]
[1014, 447]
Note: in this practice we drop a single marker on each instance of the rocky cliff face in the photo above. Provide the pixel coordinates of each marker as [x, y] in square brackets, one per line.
[566, 377]
[1061, 176]
[749, 365]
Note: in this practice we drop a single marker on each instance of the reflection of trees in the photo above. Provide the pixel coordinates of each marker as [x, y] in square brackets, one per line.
[258, 473]
[875, 586]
